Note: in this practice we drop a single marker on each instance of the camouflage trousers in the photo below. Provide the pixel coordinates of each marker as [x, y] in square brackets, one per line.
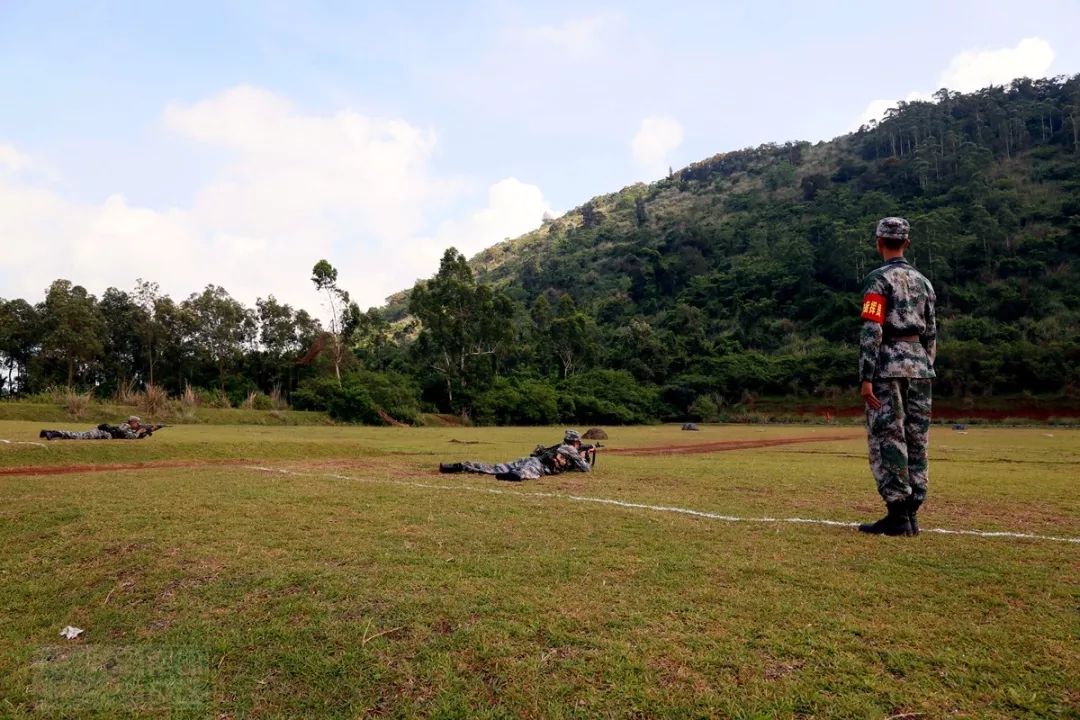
[94, 434]
[898, 435]
[530, 468]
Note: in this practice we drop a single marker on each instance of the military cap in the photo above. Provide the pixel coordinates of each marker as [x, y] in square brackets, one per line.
[893, 228]
[571, 436]
[134, 418]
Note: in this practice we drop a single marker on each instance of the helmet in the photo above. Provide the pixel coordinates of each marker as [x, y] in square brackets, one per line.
[572, 436]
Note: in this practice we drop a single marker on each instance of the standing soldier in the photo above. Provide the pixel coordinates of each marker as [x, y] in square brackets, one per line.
[897, 348]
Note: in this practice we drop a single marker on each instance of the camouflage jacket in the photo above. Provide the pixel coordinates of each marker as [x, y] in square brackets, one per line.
[122, 432]
[898, 302]
[547, 458]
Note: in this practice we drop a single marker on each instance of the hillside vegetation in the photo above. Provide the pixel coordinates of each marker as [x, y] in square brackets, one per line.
[741, 274]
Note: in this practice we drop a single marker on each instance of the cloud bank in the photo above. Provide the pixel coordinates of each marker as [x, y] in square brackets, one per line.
[654, 142]
[975, 69]
[293, 188]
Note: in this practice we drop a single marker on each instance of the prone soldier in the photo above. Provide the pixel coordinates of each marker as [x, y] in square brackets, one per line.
[132, 429]
[544, 461]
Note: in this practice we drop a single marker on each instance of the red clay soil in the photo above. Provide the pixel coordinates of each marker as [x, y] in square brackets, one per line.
[110, 467]
[722, 445]
[945, 412]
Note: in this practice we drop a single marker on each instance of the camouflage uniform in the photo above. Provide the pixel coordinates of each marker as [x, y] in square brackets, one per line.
[95, 434]
[101, 432]
[897, 347]
[535, 466]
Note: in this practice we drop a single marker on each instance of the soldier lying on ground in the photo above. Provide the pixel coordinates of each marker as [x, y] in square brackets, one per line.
[133, 429]
[545, 461]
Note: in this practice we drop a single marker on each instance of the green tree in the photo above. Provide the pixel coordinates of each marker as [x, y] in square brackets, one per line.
[463, 324]
[73, 327]
[222, 327]
[20, 340]
[344, 314]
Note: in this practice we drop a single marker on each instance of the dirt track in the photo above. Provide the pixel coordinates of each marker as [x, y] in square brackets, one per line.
[722, 445]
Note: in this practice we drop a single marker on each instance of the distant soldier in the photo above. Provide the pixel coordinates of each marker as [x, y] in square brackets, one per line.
[544, 461]
[133, 429]
[897, 349]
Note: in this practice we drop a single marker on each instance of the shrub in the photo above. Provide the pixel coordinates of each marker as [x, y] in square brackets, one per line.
[212, 398]
[127, 394]
[611, 397]
[517, 402]
[75, 404]
[277, 399]
[361, 396]
[153, 400]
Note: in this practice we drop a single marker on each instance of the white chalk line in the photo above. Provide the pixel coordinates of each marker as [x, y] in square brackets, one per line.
[655, 508]
[22, 442]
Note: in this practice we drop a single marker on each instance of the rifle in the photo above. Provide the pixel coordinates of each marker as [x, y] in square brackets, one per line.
[148, 430]
[586, 449]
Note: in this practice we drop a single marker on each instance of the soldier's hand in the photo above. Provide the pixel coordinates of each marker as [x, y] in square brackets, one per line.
[867, 392]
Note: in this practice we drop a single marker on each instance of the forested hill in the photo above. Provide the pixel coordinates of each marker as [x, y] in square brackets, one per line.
[742, 272]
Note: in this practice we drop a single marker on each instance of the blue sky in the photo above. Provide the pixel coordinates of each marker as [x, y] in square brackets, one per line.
[238, 143]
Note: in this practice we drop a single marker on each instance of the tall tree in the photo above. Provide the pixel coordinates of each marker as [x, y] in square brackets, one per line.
[222, 327]
[123, 321]
[462, 322]
[147, 295]
[73, 327]
[344, 314]
[20, 340]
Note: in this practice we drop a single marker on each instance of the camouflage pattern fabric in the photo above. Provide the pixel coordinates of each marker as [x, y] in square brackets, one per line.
[898, 302]
[94, 434]
[529, 468]
[894, 228]
[898, 434]
[535, 466]
[124, 432]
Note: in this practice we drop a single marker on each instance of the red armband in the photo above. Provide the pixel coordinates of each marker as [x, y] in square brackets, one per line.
[873, 308]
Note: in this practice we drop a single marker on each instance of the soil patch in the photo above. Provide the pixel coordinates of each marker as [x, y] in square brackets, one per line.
[110, 467]
[723, 445]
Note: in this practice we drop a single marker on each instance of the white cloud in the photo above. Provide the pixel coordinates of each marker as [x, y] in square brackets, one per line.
[513, 208]
[12, 160]
[877, 108]
[295, 188]
[653, 143]
[976, 69]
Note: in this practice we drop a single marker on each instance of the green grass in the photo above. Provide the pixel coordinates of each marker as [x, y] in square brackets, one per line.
[345, 591]
[54, 414]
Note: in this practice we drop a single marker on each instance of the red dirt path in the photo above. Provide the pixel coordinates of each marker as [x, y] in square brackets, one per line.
[110, 467]
[722, 445]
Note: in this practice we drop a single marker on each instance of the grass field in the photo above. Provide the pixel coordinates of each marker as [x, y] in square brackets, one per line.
[348, 579]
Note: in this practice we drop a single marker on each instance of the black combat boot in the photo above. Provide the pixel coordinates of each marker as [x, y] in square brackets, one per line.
[912, 508]
[894, 523]
[451, 467]
[511, 476]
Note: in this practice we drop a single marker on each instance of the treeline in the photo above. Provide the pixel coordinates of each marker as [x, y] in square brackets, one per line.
[736, 277]
[208, 341]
